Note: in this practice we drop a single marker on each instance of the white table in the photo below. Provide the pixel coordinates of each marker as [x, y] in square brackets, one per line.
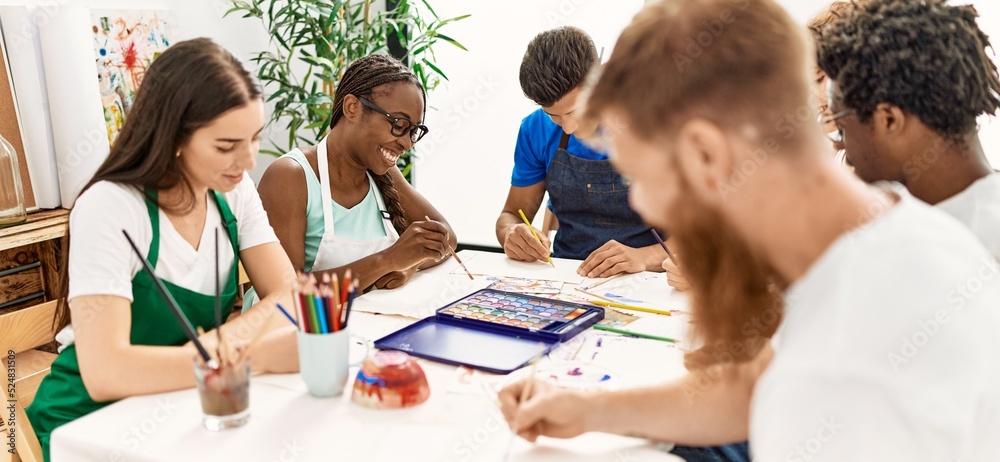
[287, 424]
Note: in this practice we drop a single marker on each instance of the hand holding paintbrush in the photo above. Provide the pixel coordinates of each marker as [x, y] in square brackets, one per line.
[522, 397]
[547, 410]
[455, 255]
[671, 266]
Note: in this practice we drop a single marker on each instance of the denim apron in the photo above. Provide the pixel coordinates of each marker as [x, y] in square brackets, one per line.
[590, 200]
[62, 397]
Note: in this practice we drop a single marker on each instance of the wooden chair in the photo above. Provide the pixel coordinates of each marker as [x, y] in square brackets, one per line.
[243, 279]
[21, 332]
[550, 223]
[242, 284]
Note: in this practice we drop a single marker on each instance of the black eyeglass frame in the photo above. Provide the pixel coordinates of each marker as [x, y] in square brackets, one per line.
[415, 131]
[837, 136]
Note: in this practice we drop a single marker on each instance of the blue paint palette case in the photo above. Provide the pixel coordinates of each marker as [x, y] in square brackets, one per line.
[493, 330]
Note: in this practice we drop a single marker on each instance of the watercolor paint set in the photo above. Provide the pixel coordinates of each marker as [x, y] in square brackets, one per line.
[493, 330]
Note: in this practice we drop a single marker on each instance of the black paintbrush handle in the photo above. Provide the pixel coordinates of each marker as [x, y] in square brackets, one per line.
[174, 308]
[659, 239]
[218, 289]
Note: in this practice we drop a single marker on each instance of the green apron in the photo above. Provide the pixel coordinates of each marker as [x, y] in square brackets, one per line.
[62, 397]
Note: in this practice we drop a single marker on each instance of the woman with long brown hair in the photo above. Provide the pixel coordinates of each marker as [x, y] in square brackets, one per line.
[344, 203]
[175, 176]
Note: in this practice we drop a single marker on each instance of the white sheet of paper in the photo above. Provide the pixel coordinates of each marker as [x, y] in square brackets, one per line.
[631, 359]
[498, 264]
[643, 289]
[427, 292]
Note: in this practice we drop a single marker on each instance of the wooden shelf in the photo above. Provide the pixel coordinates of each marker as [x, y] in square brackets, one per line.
[41, 226]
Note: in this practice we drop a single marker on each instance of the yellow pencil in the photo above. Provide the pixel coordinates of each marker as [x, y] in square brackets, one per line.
[533, 233]
[630, 307]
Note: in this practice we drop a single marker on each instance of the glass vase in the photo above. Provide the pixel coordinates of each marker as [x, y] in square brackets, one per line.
[12, 210]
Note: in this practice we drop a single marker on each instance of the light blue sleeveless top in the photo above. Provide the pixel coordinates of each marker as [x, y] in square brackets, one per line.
[363, 222]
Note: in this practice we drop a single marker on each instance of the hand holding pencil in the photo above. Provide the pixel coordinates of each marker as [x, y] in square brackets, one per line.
[524, 243]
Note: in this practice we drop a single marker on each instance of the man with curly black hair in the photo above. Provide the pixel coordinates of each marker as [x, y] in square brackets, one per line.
[909, 79]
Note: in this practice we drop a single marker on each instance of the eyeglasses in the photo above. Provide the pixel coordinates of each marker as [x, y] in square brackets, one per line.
[838, 135]
[400, 125]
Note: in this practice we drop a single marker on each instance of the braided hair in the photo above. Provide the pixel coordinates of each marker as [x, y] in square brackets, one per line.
[361, 78]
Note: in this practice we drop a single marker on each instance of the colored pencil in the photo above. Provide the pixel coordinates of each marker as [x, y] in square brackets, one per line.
[347, 283]
[623, 306]
[303, 311]
[633, 334]
[335, 300]
[533, 233]
[350, 302]
[175, 309]
[666, 249]
[321, 314]
[311, 300]
[285, 312]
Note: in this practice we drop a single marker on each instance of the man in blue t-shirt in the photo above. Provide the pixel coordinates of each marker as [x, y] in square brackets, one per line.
[588, 198]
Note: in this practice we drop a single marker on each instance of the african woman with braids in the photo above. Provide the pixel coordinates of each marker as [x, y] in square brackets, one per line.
[344, 203]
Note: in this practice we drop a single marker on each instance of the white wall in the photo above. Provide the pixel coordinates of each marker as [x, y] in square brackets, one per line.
[465, 163]
[195, 18]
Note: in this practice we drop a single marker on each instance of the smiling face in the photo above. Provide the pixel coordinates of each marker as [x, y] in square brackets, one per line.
[220, 152]
[374, 145]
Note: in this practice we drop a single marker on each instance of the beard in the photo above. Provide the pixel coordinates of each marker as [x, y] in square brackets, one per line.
[736, 299]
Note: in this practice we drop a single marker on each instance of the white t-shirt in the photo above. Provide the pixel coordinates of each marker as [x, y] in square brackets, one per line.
[102, 263]
[888, 349]
[978, 206]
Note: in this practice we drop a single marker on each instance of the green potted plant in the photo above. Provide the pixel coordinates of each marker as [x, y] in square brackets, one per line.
[327, 35]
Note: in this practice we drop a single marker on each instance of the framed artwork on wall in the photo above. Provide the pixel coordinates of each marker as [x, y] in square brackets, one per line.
[10, 126]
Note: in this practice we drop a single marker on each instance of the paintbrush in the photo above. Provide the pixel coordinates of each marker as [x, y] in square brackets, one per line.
[218, 301]
[459, 260]
[455, 255]
[602, 282]
[666, 249]
[175, 309]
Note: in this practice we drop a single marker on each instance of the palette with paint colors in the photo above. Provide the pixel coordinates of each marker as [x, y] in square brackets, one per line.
[517, 310]
[493, 330]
